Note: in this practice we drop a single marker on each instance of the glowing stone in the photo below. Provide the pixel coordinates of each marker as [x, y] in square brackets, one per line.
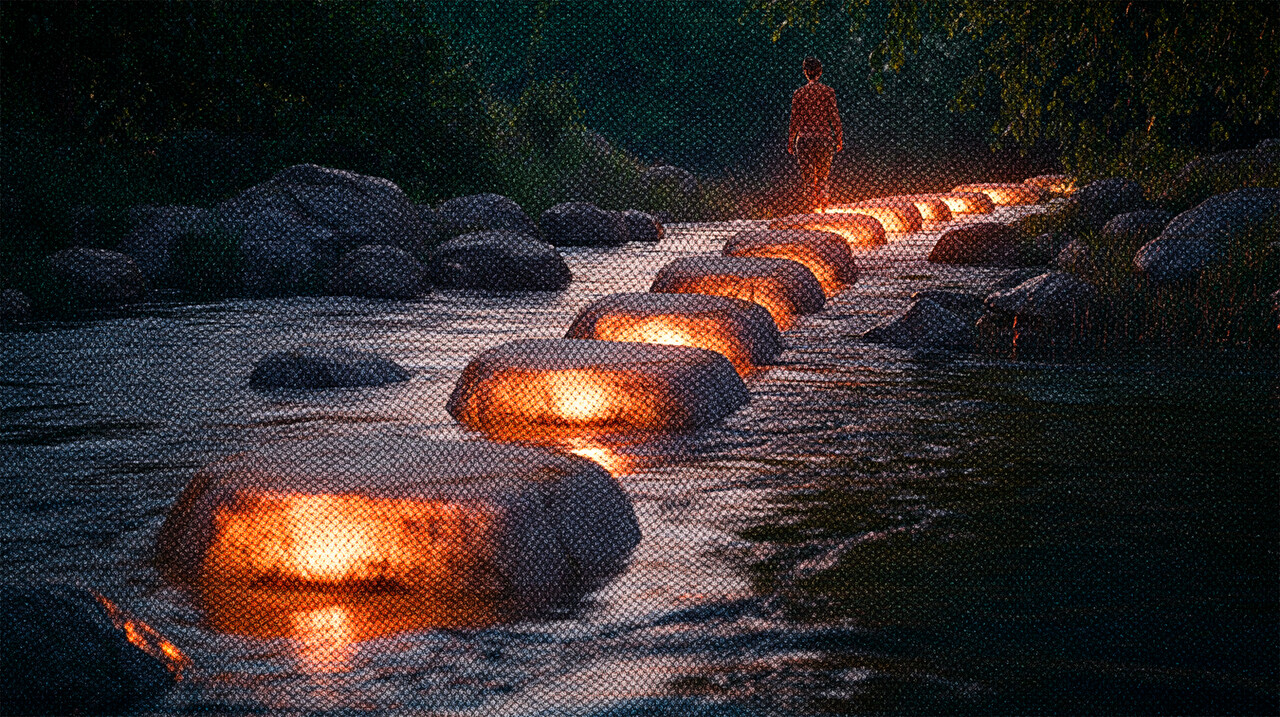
[896, 215]
[959, 202]
[741, 331]
[1003, 194]
[932, 208]
[444, 532]
[859, 230]
[548, 389]
[1056, 183]
[784, 287]
[825, 254]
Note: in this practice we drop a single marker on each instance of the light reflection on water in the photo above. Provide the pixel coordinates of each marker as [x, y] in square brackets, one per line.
[823, 549]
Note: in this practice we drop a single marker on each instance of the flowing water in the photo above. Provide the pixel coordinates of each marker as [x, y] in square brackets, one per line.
[877, 531]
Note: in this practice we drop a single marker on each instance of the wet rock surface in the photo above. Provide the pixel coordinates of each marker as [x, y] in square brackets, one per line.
[642, 226]
[926, 325]
[978, 244]
[583, 224]
[483, 212]
[498, 260]
[1097, 202]
[1200, 237]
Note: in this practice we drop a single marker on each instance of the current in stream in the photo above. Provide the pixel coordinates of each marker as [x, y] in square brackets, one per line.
[877, 531]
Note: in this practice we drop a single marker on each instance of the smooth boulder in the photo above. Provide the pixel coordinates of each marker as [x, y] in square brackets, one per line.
[64, 654]
[859, 230]
[15, 307]
[1074, 257]
[1126, 232]
[498, 260]
[483, 212]
[475, 530]
[978, 244]
[784, 287]
[582, 224]
[825, 254]
[642, 226]
[154, 241]
[1053, 296]
[967, 306]
[926, 325]
[1201, 237]
[97, 278]
[544, 388]
[378, 272]
[899, 216]
[318, 367]
[741, 331]
[1004, 193]
[1097, 202]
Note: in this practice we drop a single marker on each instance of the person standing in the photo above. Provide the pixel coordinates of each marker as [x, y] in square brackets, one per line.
[815, 135]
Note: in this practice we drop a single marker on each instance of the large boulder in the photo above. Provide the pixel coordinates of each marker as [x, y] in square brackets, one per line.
[472, 531]
[1200, 237]
[1126, 232]
[283, 254]
[540, 389]
[1074, 258]
[498, 260]
[1097, 202]
[1205, 176]
[926, 325]
[582, 224]
[97, 278]
[967, 306]
[642, 226]
[317, 367]
[740, 330]
[825, 254]
[1053, 296]
[978, 244]
[65, 654]
[786, 288]
[483, 212]
[15, 307]
[378, 272]
[153, 242]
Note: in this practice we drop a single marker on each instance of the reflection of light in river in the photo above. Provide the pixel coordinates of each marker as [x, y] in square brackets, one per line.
[325, 638]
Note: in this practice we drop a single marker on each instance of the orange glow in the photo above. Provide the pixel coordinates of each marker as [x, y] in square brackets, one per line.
[859, 230]
[768, 293]
[345, 543]
[932, 209]
[900, 217]
[822, 270]
[580, 396]
[704, 332]
[327, 638]
[1003, 194]
[1056, 183]
[142, 636]
[600, 454]
[537, 405]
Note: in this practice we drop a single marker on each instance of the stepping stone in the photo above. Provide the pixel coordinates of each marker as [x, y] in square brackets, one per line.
[1002, 193]
[858, 230]
[977, 244]
[931, 208]
[548, 389]
[475, 531]
[786, 288]
[1056, 183]
[961, 202]
[823, 253]
[741, 331]
[896, 215]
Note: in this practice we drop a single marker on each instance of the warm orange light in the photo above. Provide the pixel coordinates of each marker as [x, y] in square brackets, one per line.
[932, 209]
[1056, 183]
[825, 254]
[675, 330]
[145, 638]
[758, 290]
[601, 454]
[582, 396]
[897, 216]
[859, 230]
[327, 638]
[1003, 194]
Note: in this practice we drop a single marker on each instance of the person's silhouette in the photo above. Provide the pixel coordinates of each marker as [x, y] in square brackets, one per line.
[815, 135]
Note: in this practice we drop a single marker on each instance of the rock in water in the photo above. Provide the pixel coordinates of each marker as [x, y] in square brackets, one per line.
[97, 278]
[978, 244]
[1199, 237]
[925, 326]
[1052, 296]
[541, 388]
[966, 306]
[15, 307]
[63, 654]
[1126, 232]
[642, 226]
[506, 530]
[316, 367]
[582, 224]
[1097, 202]
[483, 212]
[786, 288]
[499, 260]
[378, 272]
[1074, 258]
[826, 254]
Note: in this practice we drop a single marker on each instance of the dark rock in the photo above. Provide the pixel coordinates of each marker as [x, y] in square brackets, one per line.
[1047, 246]
[582, 224]
[281, 253]
[483, 212]
[1074, 258]
[378, 272]
[1015, 278]
[315, 367]
[1197, 238]
[967, 306]
[926, 325]
[97, 278]
[1052, 296]
[499, 260]
[1097, 202]
[154, 239]
[1126, 232]
[63, 654]
[641, 226]
[1218, 173]
[979, 244]
[15, 307]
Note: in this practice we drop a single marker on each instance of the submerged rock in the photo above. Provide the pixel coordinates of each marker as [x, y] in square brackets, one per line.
[642, 226]
[499, 260]
[483, 212]
[1200, 237]
[378, 272]
[317, 367]
[978, 244]
[582, 224]
[97, 278]
[1055, 295]
[63, 654]
[926, 325]
[478, 532]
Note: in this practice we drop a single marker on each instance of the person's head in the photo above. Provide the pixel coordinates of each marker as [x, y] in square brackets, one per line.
[812, 68]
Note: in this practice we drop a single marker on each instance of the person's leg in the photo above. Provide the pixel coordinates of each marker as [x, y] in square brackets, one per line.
[822, 175]
[809, 152]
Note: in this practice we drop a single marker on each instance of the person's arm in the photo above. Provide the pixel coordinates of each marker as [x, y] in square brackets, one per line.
[835, 122]
[791, 130]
